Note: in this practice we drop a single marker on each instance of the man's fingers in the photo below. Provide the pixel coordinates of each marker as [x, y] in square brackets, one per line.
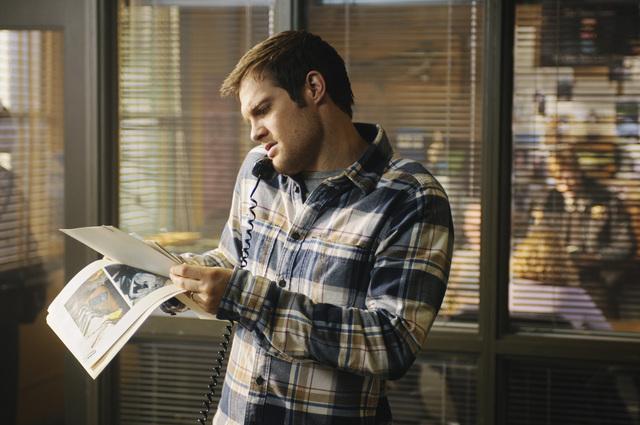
[195, 297]
[186, 270]
[186, 283]
[205, 285]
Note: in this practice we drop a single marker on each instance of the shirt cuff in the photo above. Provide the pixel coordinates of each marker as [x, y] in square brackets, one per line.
[249, 300]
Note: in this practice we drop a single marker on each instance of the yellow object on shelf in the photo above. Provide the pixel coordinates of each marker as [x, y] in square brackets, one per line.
[175, 238]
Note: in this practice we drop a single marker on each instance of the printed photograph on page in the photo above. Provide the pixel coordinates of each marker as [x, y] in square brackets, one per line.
[134, 284]
[96, 307]
[101, 303]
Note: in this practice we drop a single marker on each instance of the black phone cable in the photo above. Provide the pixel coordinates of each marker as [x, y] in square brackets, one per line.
[262, 169]
[216, 373]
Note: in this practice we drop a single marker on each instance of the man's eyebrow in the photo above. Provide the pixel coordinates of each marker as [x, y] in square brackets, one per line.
[254, 109]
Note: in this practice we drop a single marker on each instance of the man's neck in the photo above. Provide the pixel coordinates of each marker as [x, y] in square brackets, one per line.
[342, 144]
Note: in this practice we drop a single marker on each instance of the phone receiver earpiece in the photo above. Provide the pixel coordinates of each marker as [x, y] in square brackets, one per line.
[263, 169]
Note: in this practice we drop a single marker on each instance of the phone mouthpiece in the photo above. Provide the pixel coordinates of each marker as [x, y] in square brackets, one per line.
[263, 169]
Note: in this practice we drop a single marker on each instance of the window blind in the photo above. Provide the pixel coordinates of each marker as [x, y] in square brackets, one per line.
[576, 166]
[438, 389]
[153, 388]
[180, 144]
[555, 393]
[31, 212]
[415, 68]
[31, 145]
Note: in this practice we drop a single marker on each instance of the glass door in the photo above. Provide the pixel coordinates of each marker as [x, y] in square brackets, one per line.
[48, 180]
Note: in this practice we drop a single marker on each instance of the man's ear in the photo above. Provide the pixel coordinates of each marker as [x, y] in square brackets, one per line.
[315, 86]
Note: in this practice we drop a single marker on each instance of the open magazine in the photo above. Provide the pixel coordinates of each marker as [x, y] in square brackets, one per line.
[104, 304]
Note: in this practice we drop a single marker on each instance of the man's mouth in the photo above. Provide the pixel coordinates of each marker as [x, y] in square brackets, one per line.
[268, 148]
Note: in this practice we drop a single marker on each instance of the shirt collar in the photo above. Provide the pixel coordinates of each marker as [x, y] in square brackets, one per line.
[366, 172]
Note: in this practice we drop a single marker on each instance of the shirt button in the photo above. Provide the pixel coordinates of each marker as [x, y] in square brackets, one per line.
[295, 236]
[282, 283]
[259, 380]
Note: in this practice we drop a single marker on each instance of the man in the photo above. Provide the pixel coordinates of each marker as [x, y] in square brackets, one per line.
[581, 232]
[349, 254]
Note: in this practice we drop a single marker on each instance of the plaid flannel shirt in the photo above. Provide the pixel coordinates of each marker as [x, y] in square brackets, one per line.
[339, 291]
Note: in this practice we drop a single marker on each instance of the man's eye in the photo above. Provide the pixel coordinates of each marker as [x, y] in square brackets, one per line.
[262, 110]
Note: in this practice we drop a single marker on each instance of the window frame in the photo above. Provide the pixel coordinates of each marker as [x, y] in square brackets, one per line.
[85, 399]
[493, 342]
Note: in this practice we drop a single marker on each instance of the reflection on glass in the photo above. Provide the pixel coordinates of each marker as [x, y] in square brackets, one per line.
[539, 393]
[576, 170]
[462, 297]
[31, 211]
[438, 389]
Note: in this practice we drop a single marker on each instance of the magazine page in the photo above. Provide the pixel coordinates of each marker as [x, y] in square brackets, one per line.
[124, 248]
[97, 367]
[101, 304]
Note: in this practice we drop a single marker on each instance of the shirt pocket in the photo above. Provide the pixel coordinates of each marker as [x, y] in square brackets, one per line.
[335, 271]
[263, 255]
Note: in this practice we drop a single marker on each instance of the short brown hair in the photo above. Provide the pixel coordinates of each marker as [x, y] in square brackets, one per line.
[286, 58]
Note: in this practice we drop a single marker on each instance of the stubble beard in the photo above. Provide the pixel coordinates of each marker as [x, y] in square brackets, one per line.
[304, 149]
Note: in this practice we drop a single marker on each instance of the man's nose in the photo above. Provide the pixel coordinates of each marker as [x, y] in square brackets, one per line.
[258, 132]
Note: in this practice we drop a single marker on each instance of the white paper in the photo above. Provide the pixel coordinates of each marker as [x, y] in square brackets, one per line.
[102, 306]
[123, 248]
[105, 303]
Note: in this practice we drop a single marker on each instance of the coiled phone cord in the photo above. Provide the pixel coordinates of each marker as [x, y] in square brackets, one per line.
[262, 169]
[216, 373]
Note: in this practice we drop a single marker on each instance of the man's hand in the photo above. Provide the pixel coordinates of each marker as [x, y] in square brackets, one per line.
[205, 285]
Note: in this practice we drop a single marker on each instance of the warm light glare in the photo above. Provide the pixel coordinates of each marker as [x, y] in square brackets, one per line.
[4, 68]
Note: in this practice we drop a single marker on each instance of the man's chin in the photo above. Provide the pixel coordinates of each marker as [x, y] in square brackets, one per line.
[280, 167]
[287, 168]
[277, 166]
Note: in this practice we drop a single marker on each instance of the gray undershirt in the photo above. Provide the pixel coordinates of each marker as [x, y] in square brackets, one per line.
[312, 179]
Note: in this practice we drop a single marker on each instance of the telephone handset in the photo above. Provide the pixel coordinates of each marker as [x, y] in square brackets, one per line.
[262, 170]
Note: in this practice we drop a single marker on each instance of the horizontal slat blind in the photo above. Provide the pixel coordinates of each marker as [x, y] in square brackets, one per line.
[154, 388]
[180, 148]
[31, 148]
[439, 389]
[576, 170]
[31, 212]
[415, 69]
[180, 144]
[545, 394]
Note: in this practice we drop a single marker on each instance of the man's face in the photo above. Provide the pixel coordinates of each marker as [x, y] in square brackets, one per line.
[291, 134]
[563, 170]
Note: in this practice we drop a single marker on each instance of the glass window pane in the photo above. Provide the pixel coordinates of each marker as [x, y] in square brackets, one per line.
[31, 212]
[576, 169]
[148, 367]
[415, 69]
[544, 393]
[438, 389]
[180, 143]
